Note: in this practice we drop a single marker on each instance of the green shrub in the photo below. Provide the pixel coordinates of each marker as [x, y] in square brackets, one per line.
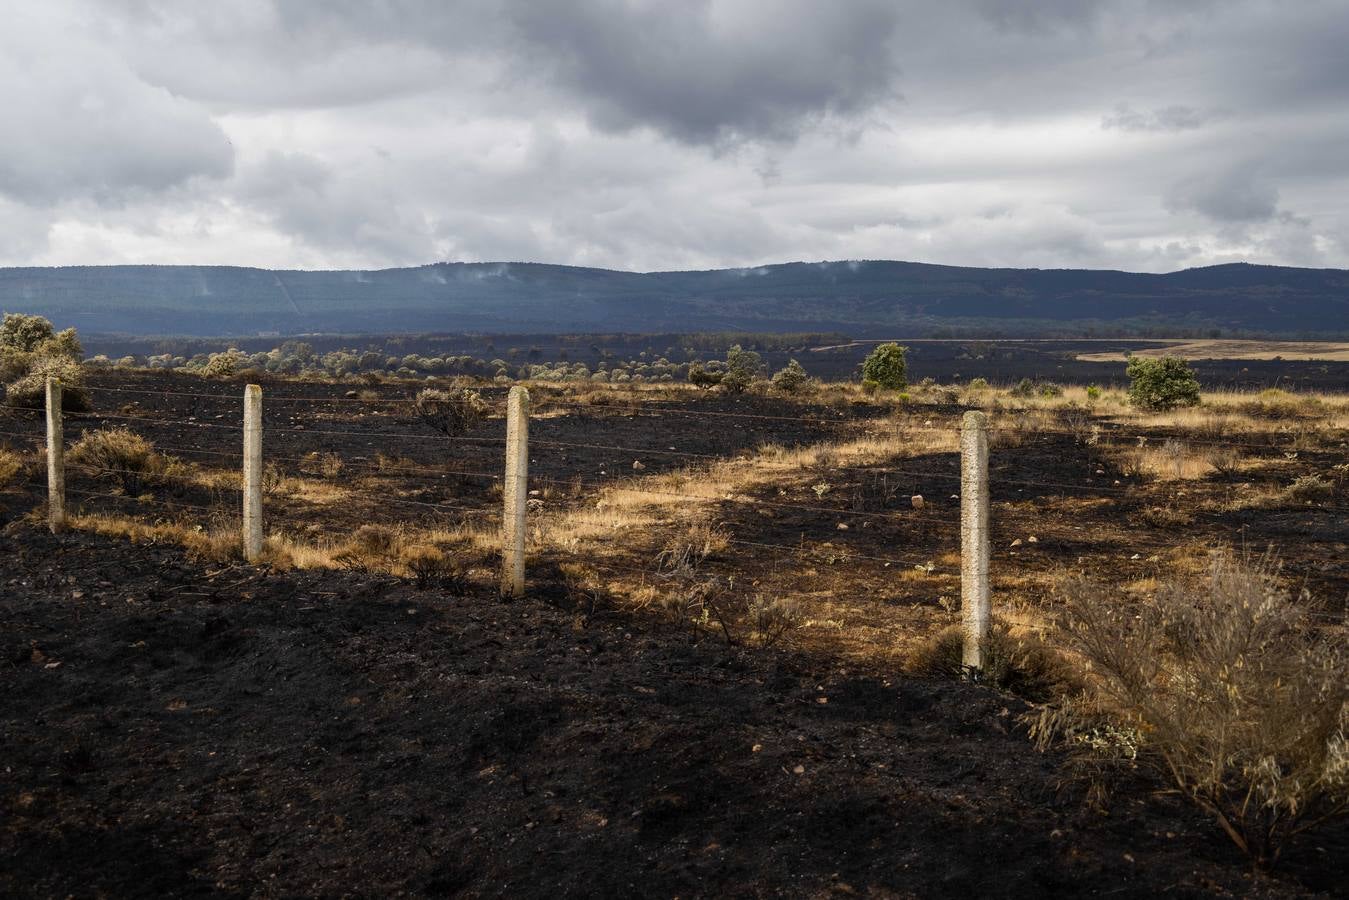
[1158, 384]
[886, 366]
[791, 379]
[1093, 392]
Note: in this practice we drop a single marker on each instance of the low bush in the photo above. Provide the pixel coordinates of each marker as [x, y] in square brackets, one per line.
[29, 390]
[119, 454]
[325, 465]
[431, 567]
[451, 413]
[791, 379]
[703, 378]
[1238, 701]
[1028, 388]
[371, 548]
[771, 620]
[1309, 489]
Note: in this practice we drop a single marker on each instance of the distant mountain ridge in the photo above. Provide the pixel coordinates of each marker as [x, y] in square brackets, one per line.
[859, 297]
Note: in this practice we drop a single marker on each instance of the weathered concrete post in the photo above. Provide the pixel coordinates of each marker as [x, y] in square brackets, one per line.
[974, 546]
[515, 490]
[56, 459]
[252, 473]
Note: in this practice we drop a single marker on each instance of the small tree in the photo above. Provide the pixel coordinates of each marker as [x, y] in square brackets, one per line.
[450, 412]
[31, 351]
[742, 367]
[791, 379]
[1158, 384]
[20, 331]
[886, 367]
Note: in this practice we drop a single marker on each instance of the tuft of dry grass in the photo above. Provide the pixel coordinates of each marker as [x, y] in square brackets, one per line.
[1021, 664]
[11, 467]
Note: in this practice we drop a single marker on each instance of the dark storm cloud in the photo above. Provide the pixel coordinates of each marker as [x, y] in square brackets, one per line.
[1034, 16]
[700, 75]
[1234, 195]
[697, 71]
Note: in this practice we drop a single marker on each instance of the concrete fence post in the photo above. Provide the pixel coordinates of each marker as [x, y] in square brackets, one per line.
[974, 544]
[252, 473]
[56, 459]
[515, 492]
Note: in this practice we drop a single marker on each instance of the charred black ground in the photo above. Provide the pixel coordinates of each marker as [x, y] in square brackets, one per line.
[172, 729]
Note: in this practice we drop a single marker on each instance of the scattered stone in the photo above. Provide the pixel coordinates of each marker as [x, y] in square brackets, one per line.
[637, 465]
[917, 501]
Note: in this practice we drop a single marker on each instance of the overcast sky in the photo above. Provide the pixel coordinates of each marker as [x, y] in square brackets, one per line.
[673, 134]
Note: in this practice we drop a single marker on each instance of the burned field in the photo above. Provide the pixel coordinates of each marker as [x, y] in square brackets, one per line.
[176, 721]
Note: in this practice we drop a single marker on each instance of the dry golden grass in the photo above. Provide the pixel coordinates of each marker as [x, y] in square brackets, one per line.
[217, 543]
[12, 465]
[681, 498]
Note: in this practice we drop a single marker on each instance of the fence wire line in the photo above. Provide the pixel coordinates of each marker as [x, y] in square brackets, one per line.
[1131, 543]
[1117, 433]
[1086, 491]
[563, 444]
[170, 504]
[1114, 430]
